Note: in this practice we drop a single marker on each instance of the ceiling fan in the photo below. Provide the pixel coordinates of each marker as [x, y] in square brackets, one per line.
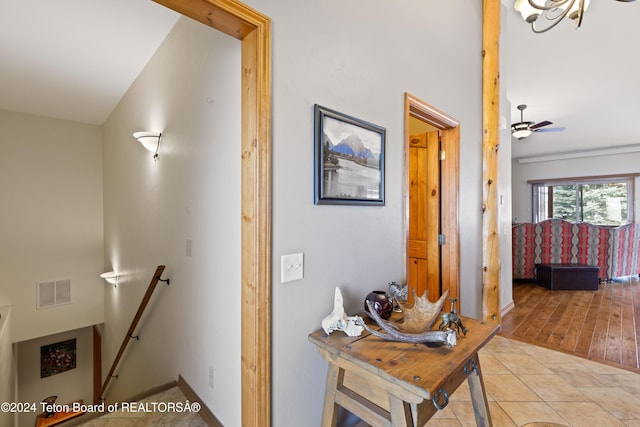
[523, 129]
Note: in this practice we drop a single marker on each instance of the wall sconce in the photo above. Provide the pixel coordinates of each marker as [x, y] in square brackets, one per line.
[110, 277]
[150, 141]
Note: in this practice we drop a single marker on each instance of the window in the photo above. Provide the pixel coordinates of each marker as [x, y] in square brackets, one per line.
[601, 201]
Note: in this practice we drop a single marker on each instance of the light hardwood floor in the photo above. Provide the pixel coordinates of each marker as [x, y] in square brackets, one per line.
[602, 325]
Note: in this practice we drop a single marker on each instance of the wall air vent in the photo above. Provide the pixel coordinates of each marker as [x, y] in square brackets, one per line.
[52, 293]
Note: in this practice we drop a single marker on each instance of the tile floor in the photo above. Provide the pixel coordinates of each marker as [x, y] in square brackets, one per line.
[525, 385]
[529, 385]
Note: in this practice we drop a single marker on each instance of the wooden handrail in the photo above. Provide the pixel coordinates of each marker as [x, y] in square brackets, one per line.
[134, 323]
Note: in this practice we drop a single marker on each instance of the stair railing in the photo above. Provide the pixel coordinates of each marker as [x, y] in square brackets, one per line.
[134, 323]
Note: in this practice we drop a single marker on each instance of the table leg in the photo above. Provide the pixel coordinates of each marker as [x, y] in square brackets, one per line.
[478, 396]
[400, 412]
[335, 377]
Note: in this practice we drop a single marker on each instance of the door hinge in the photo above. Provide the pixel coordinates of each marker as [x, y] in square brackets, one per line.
[442, 239]
[441, 155]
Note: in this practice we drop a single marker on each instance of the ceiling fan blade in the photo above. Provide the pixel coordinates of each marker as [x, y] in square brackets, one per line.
[541, 124]
[549, 130]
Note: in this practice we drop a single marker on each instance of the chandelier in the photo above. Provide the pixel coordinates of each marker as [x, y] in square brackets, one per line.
[543, 15]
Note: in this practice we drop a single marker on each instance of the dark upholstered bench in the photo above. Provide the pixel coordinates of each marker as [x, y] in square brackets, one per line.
[570, 277]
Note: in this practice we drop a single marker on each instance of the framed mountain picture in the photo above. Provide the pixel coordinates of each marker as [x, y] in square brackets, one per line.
[349, 159]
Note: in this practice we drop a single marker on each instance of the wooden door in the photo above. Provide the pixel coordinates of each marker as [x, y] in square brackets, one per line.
[423, 248]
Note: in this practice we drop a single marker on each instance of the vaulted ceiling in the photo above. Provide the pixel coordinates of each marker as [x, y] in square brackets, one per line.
[583, 80]
[74, 60]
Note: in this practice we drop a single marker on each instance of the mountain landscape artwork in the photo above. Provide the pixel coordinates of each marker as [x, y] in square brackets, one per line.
[349, 159]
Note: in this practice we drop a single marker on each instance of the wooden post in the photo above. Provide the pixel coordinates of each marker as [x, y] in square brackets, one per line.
[490, 145]
[97, 364]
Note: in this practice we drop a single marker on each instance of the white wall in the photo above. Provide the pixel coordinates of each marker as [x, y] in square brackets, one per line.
[357, 57]
[360, 57]
[51, 186]
[190, 90]
[69, 386]
[588, 166]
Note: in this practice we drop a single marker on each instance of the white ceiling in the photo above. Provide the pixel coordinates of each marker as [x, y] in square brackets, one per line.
[73, 59]
[586, 80]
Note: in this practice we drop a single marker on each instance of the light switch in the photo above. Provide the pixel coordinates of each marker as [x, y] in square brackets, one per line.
[291, 267]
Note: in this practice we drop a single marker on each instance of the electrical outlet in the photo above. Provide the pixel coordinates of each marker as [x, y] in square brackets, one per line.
[212, 374]
[291, 267]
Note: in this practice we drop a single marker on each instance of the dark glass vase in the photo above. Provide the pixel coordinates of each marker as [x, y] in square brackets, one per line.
[380, 303]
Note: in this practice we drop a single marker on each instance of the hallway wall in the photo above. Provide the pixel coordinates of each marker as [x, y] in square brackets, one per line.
[359, 58]
[182, 211]
[51, 227]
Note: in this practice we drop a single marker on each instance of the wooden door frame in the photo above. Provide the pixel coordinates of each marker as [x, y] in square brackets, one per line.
[449, 186]
[97, 362]
[254, 30]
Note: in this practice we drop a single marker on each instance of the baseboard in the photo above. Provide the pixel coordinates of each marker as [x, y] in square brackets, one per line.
[507, 308]
[205, 413]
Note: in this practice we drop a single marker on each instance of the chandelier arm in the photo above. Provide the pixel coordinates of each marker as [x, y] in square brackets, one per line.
[580, 14]
[554, 4]
[554, 21]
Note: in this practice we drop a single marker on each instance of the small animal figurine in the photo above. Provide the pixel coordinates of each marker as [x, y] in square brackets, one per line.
[452, 321]
[397, 293]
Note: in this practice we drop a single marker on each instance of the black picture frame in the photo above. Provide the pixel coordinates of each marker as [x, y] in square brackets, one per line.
[348, 159]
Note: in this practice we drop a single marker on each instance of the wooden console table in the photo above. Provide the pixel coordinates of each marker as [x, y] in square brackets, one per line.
[400, 384]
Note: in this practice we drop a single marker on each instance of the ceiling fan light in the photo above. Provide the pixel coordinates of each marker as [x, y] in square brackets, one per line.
[522, 133]
[521, 130]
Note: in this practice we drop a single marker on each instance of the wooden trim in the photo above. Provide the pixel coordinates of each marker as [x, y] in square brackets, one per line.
[205, 413]
[449, 213]
[97, 363]
[428, 113]
[490, 145]
[254, 29]
[432, 200]
[449, 189]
